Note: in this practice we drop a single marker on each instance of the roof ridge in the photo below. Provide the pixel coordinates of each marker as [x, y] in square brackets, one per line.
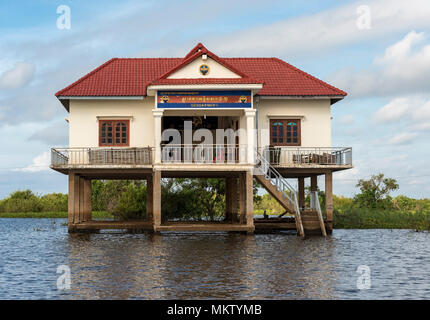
[86, 76]
[309, 76]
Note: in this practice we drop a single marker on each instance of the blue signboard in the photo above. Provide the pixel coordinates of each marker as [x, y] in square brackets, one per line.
[204, 99]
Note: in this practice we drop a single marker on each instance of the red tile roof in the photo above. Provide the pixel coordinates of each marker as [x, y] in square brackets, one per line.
[130, 77]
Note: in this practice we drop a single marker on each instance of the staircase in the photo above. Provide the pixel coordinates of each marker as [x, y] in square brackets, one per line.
[279, 188]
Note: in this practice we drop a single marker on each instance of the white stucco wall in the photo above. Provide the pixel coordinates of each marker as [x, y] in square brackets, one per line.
[84, 125]
[314, 115]
[191, 70]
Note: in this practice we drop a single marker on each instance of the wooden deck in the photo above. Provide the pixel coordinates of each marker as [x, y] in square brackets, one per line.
[260, 225]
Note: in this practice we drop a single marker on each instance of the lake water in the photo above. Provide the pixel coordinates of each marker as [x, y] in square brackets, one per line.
[202, 266]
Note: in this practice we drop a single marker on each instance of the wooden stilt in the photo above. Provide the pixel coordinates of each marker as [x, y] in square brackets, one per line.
[156, 199]
[80, 216]
[231, 199]
[242, 198]
[314, 183]
[301, 193]
[71, 201]
[250, 201]
[149, 198]
[87, 200]
[329, 200]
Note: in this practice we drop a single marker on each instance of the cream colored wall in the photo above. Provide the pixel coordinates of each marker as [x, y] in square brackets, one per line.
[191, 71]
[84, 126]
[314, 115]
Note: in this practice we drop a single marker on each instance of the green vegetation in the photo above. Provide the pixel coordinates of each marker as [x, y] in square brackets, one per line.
[204, 199]
[60, 214]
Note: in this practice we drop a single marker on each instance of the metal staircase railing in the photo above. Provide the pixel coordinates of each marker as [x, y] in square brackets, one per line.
[282, 185]
[315, 205]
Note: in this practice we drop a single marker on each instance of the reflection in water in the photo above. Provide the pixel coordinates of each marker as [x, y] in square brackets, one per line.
[209, 266]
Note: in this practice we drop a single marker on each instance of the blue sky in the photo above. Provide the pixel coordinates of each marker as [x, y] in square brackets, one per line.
[385, 69]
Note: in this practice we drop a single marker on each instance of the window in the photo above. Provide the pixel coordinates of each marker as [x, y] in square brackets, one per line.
[114, 133]
[285, 132]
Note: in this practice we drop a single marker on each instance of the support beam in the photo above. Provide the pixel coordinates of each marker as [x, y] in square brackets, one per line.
[149, 198]
[87, 200]
[231, 199]
[71, 201]
[301, 193]
[329, 200]
[247, 200]
[314, 183]
[156, 199]
[80, 216]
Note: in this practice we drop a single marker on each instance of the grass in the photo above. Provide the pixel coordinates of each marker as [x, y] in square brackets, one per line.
[60, 214]
[364, 218]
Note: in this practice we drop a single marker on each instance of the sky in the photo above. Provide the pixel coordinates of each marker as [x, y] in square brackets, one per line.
[377, 51]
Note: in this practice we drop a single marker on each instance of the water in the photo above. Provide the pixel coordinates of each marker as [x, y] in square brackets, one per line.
[216, 266]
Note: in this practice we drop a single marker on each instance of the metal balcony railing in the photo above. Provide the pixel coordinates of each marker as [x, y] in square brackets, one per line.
[101, 156]
[286, 156]
[203, 153]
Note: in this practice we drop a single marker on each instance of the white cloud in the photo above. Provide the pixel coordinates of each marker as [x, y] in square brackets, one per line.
[40, 163]
[347, 119]
[18, 76]
[414, 109]
[404, 68]
[328, 29]
[402, 138]
[394, 110]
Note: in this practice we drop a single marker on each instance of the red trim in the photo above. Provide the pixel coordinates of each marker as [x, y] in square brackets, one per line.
[114, 123]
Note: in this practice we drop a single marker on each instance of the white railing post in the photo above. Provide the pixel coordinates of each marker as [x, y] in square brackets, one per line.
[157, 113]
[250, 126]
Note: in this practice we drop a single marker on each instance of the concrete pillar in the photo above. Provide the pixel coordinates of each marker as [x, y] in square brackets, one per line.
[329, 200]
[156, 199]
[87, 200]
[231, 200]
[80, 216]
[157, 113]
[314, 187]
[149, 198]
[247, 200]
[250, 126]
[72, 201]
[314, 183]
[301, 193]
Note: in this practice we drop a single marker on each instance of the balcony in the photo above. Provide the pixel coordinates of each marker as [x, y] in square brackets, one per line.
[101, 157]
[308, 157]
[204, 154]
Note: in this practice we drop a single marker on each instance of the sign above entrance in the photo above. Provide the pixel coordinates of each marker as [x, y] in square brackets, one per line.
[204, 99]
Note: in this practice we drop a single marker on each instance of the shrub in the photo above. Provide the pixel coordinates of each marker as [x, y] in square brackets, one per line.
[131, 202]
[21, 201]
[54, 202]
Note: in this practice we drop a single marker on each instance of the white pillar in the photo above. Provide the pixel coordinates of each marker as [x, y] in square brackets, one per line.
[157, 114]
[250, 126]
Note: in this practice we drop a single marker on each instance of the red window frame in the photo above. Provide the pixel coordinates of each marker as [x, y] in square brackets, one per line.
[285, 130]
[114, 124]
